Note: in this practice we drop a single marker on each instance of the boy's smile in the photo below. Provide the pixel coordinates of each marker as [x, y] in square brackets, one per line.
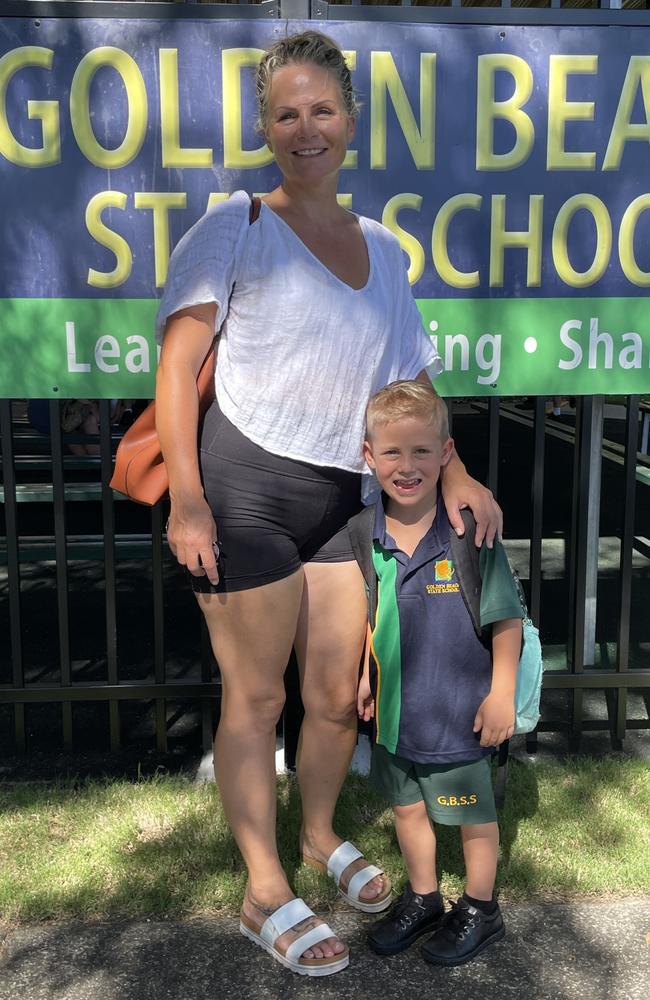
[407, 456]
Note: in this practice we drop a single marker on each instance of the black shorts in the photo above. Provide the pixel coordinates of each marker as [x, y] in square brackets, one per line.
[272, 513]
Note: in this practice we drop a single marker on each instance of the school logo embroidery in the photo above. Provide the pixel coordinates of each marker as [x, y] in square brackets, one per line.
[444, 570]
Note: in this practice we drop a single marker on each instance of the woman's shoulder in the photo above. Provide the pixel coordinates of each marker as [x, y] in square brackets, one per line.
[386, 239]
[225, 219]
[387, 249]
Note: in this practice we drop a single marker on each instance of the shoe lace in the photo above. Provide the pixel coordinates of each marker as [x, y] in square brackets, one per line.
[459, 919]
[407, 910]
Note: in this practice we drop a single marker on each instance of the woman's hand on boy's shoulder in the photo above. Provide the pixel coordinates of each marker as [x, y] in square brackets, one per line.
[460, 490]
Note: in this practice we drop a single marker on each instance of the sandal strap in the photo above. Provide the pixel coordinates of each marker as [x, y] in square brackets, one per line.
[361, 878]
[341, 858]
[283, 919]
[306, 940]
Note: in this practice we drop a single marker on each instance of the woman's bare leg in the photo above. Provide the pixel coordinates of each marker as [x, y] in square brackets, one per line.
[251, 633]
[329, 642]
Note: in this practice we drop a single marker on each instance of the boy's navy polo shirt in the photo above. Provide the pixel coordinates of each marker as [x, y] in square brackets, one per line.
[429, 670]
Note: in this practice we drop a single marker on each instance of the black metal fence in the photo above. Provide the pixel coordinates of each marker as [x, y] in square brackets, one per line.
[101, 640]
[99, 623]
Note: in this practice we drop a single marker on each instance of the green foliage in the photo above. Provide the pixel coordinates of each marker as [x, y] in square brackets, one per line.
[161, 847]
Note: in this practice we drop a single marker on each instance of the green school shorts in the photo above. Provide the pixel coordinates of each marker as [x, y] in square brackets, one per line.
[454, 794]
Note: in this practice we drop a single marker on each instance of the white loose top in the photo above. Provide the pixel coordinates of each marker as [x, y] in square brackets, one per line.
[300, 352]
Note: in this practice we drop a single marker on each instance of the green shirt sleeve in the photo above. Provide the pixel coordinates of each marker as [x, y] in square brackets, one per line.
[499, 597]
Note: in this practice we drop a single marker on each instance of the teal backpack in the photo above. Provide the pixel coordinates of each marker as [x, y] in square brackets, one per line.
[529, 674]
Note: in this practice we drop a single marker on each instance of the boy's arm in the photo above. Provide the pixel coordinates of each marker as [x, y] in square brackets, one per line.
[495, 717]
[365, 700]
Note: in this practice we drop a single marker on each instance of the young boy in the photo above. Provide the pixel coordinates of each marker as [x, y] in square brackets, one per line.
[441, 698]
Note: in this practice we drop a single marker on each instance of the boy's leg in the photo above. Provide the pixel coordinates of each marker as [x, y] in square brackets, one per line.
[474, 921]
[420, 908]
[481, 849]
[417, 842]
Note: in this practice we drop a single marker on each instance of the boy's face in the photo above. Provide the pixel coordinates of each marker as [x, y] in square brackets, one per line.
[407, 456]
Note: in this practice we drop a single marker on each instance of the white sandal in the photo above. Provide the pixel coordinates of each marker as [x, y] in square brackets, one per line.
[337, 863]
[283, 919]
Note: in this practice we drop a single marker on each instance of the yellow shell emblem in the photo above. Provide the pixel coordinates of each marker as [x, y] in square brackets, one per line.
[444, 570]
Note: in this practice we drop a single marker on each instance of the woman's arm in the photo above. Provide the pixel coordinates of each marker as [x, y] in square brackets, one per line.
[190, 530]
[460, 490]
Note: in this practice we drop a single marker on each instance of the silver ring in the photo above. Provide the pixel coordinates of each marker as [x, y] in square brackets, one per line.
[216, 549]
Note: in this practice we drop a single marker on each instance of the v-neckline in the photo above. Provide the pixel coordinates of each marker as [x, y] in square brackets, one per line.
[335, 277]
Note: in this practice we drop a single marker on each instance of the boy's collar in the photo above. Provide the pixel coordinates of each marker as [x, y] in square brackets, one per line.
[437, 534]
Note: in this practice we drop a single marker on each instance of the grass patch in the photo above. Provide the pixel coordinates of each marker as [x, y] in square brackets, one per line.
[161, 847]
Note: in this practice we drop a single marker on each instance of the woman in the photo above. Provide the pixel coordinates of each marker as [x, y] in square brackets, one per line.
[315, 313]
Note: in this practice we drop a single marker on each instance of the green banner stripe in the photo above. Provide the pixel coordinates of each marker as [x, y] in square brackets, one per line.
[103, 348]
[566, 346]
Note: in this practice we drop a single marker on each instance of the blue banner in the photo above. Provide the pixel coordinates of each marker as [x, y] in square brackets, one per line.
[512, 163]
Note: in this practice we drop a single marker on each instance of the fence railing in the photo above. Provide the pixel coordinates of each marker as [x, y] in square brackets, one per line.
[98, 620]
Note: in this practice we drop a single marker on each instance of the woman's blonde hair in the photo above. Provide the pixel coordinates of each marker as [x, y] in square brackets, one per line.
[305, 47]
[407, 398]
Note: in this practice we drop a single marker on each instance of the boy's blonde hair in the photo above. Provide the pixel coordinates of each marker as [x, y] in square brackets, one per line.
[407, 398]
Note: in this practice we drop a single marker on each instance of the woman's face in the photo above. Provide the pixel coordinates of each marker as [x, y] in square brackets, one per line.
[308, 128]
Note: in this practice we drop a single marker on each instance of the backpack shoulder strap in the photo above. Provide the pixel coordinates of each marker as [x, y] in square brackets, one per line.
[255, 209]
[466, 562]
[360, 530]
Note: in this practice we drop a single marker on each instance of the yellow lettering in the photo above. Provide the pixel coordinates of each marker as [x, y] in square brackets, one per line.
[630, 268]
[173, 155]
[215, 198]
[488, 109]
[108, 238]
[160, 203]
[385, 78]
[638, 72]
[45, 111]
[439, 241]
[408, 242]
[530, 239]
[442, 800]
[136, 92]
[600, 215]
[351, 160]
[561, 111]
[234, 157]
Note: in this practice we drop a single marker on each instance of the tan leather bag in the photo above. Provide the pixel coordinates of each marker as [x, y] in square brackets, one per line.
[140, 470]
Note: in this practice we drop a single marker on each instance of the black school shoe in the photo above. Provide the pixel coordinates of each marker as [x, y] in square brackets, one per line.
[463, 933]
[409, 918]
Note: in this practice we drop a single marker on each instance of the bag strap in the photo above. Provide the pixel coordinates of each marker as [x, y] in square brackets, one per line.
[360, 531]
[205, 378]
[255, 209]
[465, 556]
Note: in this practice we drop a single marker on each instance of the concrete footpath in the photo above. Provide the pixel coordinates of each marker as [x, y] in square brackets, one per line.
[595, 951]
